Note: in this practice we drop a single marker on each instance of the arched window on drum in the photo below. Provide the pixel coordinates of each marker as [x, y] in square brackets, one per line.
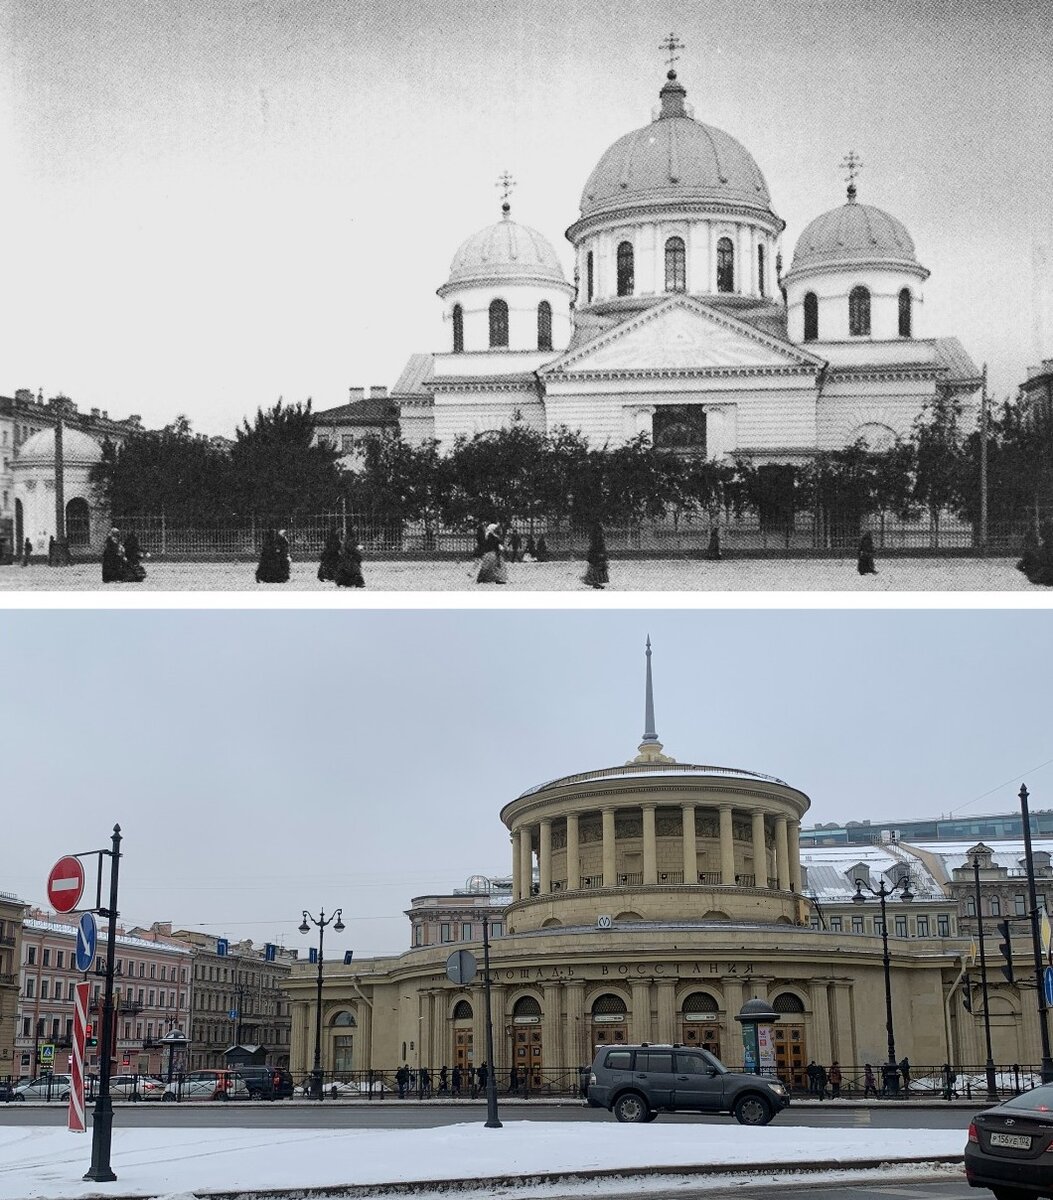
[905, 302]
[610, 1020]
[700, 1022]
[859, 312]
[811, 316]
[791, 1048]
[498, 324]
[625, 269]
[725, 265]
[458, 329]
[527, 1044]
[544, 325]
[675, 265]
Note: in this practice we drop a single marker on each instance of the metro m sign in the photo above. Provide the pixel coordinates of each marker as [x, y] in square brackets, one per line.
[65, 884]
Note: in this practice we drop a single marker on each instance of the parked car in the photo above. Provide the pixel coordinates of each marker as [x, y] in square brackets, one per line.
[267, 1083]
[207, 1085]
[638, 1082]
[136, 1087]
[45, 1087]
[1008, 1146]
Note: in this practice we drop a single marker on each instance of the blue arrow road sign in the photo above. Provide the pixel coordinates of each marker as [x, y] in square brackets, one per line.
[233, 1014]
[87, 937]
[1047, 984]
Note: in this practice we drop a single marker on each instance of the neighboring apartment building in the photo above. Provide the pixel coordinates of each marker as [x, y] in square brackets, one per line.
[11, 912]
[343, 428]
[151, 998]
[237, 999]
[457, 916]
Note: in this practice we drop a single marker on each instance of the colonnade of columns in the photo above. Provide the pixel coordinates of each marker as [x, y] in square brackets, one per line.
[528, 835]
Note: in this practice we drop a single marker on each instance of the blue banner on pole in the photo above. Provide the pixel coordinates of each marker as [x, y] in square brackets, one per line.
[1047, 985]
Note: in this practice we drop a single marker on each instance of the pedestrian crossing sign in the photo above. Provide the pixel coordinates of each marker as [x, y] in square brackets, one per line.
[47, 1054]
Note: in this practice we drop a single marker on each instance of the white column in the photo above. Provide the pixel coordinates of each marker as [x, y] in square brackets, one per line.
[609, 859]
[526, 861]
[727, 847]
[573, 875]
[650, 853]
[545, 856]
[690, 845]
[745, 271]
[517, 875]
[782, 858]
[793, 832]
[760, 855]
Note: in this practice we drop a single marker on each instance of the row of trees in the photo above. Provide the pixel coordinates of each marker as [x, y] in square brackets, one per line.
[272, 470]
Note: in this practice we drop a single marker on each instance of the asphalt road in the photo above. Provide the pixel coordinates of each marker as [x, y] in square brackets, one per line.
[391, 1114]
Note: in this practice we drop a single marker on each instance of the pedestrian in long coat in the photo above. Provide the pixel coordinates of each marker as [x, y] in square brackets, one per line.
[114, 564]
[27, 552]
[134, 570]
[542, 549]
[349, 567]
[492, 569]
[330, 556]
[865, 556]
[455, 1081]
[713, 549]
[596, 575]
[482, 1074]
[283, 556]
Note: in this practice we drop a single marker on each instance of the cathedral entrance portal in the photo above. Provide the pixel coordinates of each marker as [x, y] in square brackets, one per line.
[700, 1023]
[791, 1049]
[527, 1042]
[610, 1021]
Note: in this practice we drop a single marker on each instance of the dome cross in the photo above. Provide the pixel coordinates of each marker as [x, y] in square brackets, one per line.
[853, 164]
[507, 184]
[670, 46]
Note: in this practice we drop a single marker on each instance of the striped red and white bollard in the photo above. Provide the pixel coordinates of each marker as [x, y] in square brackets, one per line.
[76, 1091]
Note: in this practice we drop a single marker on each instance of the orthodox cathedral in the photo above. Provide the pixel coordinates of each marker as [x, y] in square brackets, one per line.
[681, 323]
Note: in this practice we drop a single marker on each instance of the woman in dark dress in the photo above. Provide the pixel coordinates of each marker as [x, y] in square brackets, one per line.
[713, 549]
[542, 549]
[596, 575]
[134, 571]
[492, 569]
[114, 564]
[330, 557]
[282, 557]
[865, 557]
[268, 569]
[349, 568]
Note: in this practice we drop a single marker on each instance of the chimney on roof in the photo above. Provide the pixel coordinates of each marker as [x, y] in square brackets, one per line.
[95, 413]
[105, 415]
[378, 393]
[134, 419]
[354, 394]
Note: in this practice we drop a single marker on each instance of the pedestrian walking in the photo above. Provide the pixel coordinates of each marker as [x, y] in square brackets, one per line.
[713, 549]
[27, 552]
[330, 556]
[514, 543]
[813, 1077]
[530, 549]
[455, 1081]
[596, 575]
[904, 1070]
[480, 540]
[482, 1076]
[513, 1079]
[425, 1083]
[820, 1081]
[444, 1084]
[135, 572]
[492, 569]
[114, 563]
[869, 1082]
[1037, 564]
[349, 567]
[865, 555]
[402, 1080]
[835, 1077]
[268, 569]
[542, 549]
[950, 1078]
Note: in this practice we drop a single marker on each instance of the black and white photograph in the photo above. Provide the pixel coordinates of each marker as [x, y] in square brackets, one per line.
[756, 294]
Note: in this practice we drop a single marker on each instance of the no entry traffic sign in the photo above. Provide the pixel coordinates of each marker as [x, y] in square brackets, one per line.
[65, 884]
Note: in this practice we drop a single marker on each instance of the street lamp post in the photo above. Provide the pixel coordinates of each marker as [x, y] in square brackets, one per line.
[989, 1069]
[1036, 940]
[883, 893]
[305, 927]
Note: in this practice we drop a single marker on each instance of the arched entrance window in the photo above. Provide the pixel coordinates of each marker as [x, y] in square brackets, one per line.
[859, 312]
[904, 313]
[343, 1042]
[700, 1022]
[811, 316]
[544, 325]
[610, 1021]
[498, 324]
[78, 522]
[458, 329]
[527, 1046]
[463, 1049]
[625, 269]
[589, 277]
[725, 265]
[675, 265]
[791, 1050]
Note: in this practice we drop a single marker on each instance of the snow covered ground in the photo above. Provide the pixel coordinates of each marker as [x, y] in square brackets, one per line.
[650, 575]
[38, 1161]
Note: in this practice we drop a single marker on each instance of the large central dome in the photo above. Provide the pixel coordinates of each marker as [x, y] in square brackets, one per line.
[675, 158]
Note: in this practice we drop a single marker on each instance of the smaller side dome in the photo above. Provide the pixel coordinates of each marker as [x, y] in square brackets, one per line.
[504, 252]
[853, 235]
[78, 449]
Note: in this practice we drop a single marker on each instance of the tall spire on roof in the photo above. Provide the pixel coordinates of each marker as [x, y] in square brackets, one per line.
[852, 163]
[650, 747]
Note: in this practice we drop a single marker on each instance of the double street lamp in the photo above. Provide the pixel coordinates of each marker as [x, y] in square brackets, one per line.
[883, 893]
[305, 927]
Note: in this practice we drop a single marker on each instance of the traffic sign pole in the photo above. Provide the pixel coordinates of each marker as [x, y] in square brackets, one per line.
[75, 1121]
[102, 1118]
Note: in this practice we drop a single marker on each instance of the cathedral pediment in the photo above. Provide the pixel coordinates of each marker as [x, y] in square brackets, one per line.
[682, 334]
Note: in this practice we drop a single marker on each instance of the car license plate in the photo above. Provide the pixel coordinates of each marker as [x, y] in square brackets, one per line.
[1012, 1141]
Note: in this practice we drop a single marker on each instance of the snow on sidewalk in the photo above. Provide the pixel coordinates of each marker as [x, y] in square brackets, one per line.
[38, 1161]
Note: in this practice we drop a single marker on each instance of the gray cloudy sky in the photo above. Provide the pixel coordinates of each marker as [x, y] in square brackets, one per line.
[263, 762]
[211, 204]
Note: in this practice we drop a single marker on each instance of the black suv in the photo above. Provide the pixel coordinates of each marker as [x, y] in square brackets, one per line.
[638, 1082]
[267, 1083]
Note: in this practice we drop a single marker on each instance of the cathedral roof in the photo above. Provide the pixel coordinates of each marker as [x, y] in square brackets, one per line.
[674, 159]
[852, 235]
[505, 251]
[77, 448]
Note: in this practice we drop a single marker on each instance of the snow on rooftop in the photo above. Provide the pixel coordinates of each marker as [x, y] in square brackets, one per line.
[64, 930]
[635, 771]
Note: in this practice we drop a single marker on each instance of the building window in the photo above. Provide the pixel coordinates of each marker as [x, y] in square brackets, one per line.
[544, 325]
[811, 316]
[497, 928]
[458, 329]
[44, 989]
[879, 926]
[835, 924]
[625, 269]
[943, 926]
[857, 924]
[970, 906]
[72, 991]
[996, 906]
[1019, 906]
[347, 444]
[46, 960]
[152, 995]
[164, 972]
[31, 988]
[904, 313]
[498, 324]
[466, 931]
[725, 265]
[901, 927]
[589, 277]
[813, 922]
[675, 265]
[444, 932]
[60, 959]
[31, 955]
[859, 312]
[761, 285]
[923, 927]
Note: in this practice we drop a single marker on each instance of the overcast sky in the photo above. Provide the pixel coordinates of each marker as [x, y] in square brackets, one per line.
[208, 205]
[263, 762]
